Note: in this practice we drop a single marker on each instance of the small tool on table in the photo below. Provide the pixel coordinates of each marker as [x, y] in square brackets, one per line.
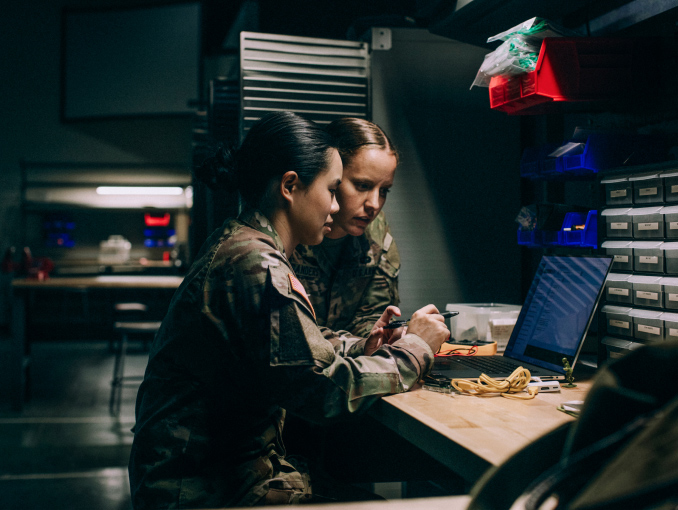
[398, 324]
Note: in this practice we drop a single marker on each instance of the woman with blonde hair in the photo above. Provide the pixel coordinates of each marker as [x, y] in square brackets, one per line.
[352, 276]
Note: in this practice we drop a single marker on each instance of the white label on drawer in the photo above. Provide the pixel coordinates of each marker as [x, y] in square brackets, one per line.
[673, 332]
[619, 226]
[644, 192]
[617, 291]
[644, 259]
[647, 295]
[673, 225]
[619, 324]
[673, 297]
[618, 193]
[649, 329]
[648, 226]
[621, 258]
[674, 188]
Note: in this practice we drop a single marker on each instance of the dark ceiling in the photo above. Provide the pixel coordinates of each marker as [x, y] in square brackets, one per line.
[336, 19]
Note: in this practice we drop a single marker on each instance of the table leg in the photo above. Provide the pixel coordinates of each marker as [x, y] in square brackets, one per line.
[18, 350]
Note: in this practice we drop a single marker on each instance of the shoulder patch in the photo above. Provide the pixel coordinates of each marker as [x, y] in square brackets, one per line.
[299, 289]
[388, 239]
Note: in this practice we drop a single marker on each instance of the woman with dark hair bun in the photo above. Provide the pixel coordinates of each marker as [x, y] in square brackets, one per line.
[240, 345]
[352, 276]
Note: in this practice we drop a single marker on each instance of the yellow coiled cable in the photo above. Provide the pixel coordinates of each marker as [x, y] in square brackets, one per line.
[486, 386]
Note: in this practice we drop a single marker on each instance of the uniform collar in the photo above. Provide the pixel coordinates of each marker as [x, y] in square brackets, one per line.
[256, 219]
[352, 253]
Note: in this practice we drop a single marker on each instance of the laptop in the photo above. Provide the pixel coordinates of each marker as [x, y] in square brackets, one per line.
[552, 324]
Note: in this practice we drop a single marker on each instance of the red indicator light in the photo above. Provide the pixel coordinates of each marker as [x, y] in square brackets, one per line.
[156, 221]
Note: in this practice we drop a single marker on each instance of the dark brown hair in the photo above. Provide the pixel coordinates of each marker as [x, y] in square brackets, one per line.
[352, 134]
[279, 142]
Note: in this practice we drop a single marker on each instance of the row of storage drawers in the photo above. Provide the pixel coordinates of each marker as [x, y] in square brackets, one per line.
[647, 256]
[652, 291]
[642, 325]
[655, 222]
[647, 188]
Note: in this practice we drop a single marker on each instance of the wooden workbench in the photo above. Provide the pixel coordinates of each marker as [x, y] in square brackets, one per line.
[470, 434]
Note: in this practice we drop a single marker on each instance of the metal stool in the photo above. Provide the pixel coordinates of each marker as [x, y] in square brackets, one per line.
[124, 329]
[127, 312]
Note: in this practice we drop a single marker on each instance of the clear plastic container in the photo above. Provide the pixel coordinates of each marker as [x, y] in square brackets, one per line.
[617, 320]
[618, 289]
[617, 348]
[670, 178]
[618, 191]
[492, 322]
[649, 256]
[618, 222]
[115, 250]
[622, 253]
[670, 252]
[647, 290]
[647, 188]
[648, 325]
[670, 218]
[670, 325]
[648, 223]
[670, 292]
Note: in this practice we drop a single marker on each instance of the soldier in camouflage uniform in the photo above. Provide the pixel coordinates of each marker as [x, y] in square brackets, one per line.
[352, 276]
[353, 295]
[240, 345]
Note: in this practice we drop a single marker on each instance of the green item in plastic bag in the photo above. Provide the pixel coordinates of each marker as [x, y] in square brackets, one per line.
[534, 30]
[519, 51]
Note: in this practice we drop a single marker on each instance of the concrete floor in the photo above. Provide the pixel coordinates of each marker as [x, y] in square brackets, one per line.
[64, 450]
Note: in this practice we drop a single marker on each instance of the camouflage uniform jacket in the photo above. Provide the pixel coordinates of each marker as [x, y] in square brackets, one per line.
[239, 346]
[353, 296]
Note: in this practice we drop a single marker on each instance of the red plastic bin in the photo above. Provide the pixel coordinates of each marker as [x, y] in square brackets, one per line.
[568, 69]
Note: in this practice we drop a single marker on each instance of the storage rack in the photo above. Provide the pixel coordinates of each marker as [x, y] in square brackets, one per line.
[639, 227]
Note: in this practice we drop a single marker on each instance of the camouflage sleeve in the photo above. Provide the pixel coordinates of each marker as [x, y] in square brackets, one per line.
[381, 292]
[313, 380]
[345, 343]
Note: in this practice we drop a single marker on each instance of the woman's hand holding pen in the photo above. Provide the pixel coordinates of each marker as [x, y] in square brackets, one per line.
[380, 336]
[429, 325]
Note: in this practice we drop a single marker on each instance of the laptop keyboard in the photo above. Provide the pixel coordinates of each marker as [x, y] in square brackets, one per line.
[482, 363]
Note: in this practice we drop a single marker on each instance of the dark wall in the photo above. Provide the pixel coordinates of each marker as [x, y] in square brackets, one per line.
[457, 188]
[30, 34]
[30, 37]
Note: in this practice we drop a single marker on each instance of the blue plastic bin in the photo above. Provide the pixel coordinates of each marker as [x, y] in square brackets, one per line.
[529, 238]
[611, 150]
[586, 237]
[537, 238]
[602, 151]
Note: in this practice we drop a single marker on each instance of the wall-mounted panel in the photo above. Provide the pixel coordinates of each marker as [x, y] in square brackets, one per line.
[320, 79]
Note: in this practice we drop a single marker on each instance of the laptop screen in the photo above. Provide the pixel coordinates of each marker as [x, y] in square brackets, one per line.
[558, 310]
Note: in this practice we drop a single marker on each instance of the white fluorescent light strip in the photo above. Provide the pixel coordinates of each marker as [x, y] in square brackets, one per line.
[139, 190]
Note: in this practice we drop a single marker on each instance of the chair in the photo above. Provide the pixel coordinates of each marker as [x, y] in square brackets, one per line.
[125, 328]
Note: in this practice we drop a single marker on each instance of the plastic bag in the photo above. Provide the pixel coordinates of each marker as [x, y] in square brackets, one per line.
[534, 31]
[519, 51]
[527, 217]
[514, 56]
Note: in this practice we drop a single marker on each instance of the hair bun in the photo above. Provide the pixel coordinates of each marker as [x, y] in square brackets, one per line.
[219, 172]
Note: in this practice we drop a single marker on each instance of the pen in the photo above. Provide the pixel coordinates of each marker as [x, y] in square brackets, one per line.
[397, 324]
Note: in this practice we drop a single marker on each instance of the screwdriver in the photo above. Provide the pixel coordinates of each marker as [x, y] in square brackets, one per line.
[397, 324]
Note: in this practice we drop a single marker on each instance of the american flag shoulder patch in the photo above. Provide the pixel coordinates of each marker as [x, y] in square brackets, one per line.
[299, 289]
